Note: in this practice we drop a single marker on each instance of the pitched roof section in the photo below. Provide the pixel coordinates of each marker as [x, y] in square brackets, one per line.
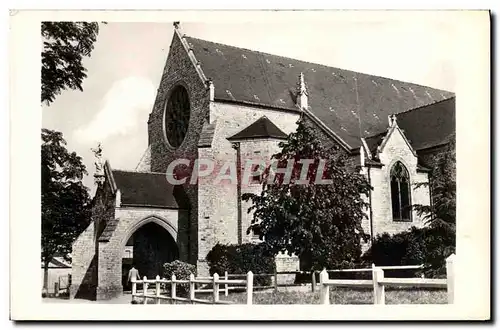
[109, 230]
[58, 262]
[429, 126]
[424, 127]
[145, 189]
[207, 135]
[374, 141]
[260, 129]
[341, 99]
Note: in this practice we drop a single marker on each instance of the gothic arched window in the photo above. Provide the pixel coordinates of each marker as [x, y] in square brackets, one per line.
[177, 114]
[400, 193]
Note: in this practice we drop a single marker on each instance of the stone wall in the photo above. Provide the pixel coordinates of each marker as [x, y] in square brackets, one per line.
[218, 220]
[395, 150]
[179, 70]
[83, 276]
[111, 249]
[85, 250]
[253, 151]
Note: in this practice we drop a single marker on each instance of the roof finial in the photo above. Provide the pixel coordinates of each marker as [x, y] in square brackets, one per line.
[211, 89]
[176, 24]
[302, 92]
[392, 120]
[99, 169]
[302, 84]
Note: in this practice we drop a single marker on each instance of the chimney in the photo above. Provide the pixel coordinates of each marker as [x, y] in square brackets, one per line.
[302, 100]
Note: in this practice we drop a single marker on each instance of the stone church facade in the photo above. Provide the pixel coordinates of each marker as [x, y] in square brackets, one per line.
[222, 103]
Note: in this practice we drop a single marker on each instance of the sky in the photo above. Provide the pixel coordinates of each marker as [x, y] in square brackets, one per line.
[124, 70]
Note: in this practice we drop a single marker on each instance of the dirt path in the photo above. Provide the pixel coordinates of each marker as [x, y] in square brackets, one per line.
[123, 299]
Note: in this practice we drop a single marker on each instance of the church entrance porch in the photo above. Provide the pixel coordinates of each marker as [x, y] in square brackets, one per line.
[146, 242]
[148, 249]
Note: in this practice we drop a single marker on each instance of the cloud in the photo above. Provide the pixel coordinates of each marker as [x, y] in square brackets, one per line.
[123, 105]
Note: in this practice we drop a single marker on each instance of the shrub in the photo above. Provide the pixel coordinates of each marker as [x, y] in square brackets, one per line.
[429, 246]
[240, 259]
[182, 270]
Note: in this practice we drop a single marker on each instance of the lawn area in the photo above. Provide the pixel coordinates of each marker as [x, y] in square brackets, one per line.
[344, 296]
[338, 296]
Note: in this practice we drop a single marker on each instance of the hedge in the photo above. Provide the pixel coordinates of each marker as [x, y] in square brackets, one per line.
[240, 259]
[182, 270]
[429, 246]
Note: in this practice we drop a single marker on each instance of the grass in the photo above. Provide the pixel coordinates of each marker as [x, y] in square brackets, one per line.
[342, 296]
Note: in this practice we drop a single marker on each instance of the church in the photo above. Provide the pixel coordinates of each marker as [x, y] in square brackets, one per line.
[229, 105]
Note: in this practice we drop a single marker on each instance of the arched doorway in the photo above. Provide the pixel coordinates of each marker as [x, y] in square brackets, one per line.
[148, 248]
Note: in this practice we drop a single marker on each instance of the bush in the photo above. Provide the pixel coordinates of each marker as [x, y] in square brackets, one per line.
[240, 259]
[182, 270]
[429, 246]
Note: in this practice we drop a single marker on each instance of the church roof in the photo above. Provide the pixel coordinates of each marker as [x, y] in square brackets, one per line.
[429, 126]
[349, 103]
[424, 127]
[145, 189]
[262, 128]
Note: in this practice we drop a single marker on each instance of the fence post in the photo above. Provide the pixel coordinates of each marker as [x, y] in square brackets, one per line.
[145, 290]
[215, 286]
[378, 289]
[226, 287]
[450, 278]
[158, 288]
[324, 288]
[191, 287]
[275, 280]
[173, 288]
[249, 288]
[313, 280]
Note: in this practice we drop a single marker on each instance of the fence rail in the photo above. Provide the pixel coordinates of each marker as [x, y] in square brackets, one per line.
[215, 281]
[215, 284]
[379, 283]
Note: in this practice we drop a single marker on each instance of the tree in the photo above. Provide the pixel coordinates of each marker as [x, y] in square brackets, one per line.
[321, 223]
[440, 216]
[442, 182]
[65, 44]
[65, 200]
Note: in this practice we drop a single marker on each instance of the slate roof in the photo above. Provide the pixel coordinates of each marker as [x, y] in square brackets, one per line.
[145, 189]
[424, 127]
[429, 126]
[341, 99]
[373, 142]
[261, 128]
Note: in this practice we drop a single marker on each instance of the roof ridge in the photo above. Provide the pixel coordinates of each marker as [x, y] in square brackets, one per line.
[138, 172]
[407, 111]
[313, 63]
[375, 135]
[263, 123]
[426, 105]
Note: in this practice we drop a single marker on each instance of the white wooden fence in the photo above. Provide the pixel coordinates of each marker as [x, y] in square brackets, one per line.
[225, 284]
[379, 282]
[214, 281]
